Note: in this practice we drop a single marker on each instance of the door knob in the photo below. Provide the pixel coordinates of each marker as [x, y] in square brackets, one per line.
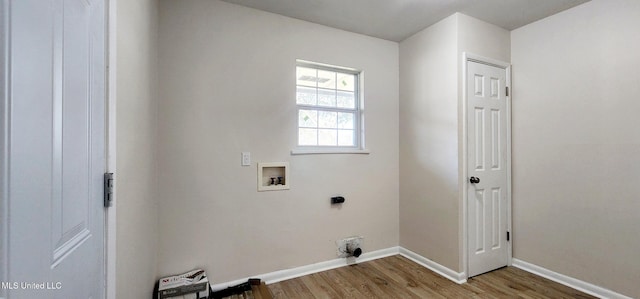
[474, 180]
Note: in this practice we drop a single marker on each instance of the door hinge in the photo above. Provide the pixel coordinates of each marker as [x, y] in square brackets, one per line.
[508, 236]
[507, 90]
[108, 189]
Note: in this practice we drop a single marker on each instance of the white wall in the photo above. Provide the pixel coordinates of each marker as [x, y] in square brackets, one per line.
[136, 197]
[576, 143]
[227, 77]
[431, 131]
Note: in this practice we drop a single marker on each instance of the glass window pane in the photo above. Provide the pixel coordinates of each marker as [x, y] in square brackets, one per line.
[330, 89]
[345, 138]
[307, 136]
[327, 119]
[346, 82]
[306, 76]
[326, 97]
[345, 120]
[327, 79]
[306, 96]
[328, 137]
[346, 99]
[308, 118]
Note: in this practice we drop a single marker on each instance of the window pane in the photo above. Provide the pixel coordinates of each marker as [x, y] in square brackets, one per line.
[328, 106]
[307, 136]
[306, 96]
[346, 99]
[345, 120]
[327, 119]
[306, 76]
[327, 79]
[346, 82]
[326, 98]
[345, 137]
[327, 137]
[308, 118]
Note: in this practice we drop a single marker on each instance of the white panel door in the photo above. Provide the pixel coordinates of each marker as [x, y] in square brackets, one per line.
[487, 168]
[56, 148]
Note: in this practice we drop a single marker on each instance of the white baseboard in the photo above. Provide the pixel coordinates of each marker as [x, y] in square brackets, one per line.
[281, 275]
[571, 282]
[454, 276]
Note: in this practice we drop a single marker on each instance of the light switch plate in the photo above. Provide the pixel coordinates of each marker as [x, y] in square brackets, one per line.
[246, 159]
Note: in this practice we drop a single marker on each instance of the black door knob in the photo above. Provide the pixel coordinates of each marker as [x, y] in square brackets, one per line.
[474, 180]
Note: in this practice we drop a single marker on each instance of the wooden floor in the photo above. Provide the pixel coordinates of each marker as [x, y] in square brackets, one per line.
[258, 291]
[399, 277]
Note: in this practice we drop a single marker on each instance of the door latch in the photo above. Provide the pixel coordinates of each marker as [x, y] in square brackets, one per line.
[108, 189]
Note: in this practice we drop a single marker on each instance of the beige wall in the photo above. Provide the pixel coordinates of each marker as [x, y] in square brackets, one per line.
[576, 143]
[481, 38]
[429, 144]
[487, 40]
[227, 77]
[137, 205]
[221, 92]
[431, 131]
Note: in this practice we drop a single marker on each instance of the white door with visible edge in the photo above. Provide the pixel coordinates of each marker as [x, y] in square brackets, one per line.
[487, 165]
[55, 147]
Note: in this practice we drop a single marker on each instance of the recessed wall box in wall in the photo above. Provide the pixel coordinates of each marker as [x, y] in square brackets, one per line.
[273, 176]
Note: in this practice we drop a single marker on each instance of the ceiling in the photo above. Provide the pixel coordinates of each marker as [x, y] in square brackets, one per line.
[396, 20]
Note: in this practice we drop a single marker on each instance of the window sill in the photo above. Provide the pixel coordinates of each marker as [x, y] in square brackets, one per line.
[298, 151]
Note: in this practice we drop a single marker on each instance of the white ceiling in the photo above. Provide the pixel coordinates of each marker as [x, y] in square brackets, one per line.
[396, 20]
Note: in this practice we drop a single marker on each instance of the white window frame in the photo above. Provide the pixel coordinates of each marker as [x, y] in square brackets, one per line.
[358, 111]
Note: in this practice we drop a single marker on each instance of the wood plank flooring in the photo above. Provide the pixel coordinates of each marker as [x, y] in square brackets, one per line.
[258, 291]
[399, 277]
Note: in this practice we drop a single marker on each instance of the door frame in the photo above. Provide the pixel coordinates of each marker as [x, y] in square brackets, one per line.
[464, 182]
[110, 217]
[4, 139]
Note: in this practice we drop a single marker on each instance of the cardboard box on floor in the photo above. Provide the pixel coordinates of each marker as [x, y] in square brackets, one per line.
[191, 285]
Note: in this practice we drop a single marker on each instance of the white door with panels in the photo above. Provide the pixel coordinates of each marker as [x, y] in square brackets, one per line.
[487, 168]
[55, 147]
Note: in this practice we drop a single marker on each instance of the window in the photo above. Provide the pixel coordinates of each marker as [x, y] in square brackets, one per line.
[328, 100]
